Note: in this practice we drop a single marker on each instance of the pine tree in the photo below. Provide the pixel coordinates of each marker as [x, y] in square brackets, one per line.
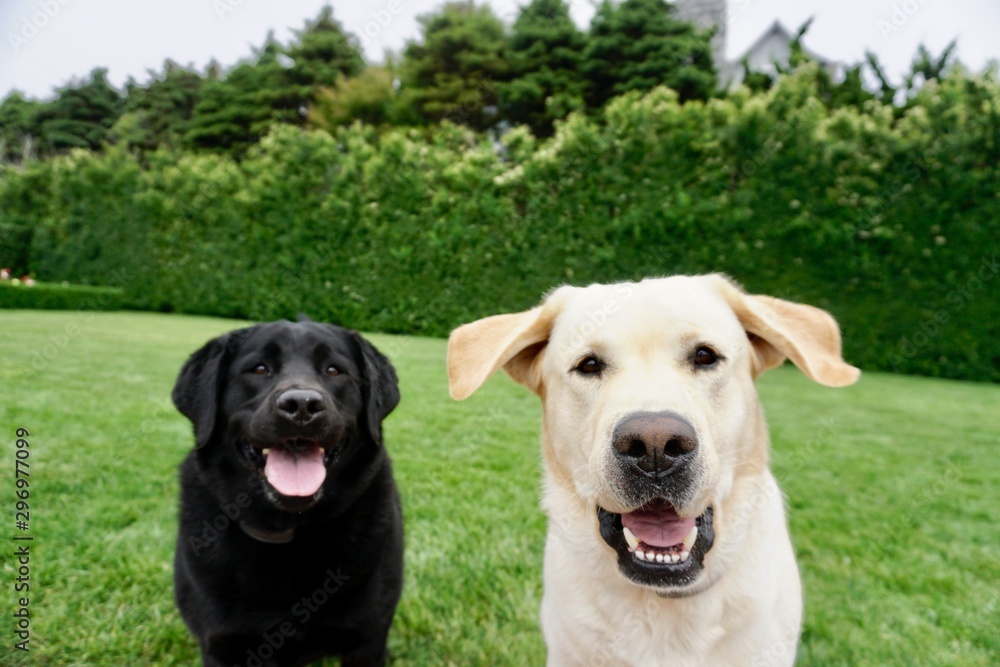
[19, 129]
[278, 85]
[278, 98]
[292, 77]
[235, 110]
[639, 45]
[160, 111]
[926, 67]
[322, 52]
[544, 53]
[451, 74]
[222, 116]
[80, 116]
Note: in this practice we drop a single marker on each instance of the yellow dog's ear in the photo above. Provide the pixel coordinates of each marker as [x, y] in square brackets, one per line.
[513, 341]
[781, 329]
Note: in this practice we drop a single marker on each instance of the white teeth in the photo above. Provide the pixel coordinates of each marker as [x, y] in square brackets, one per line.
[632, 540]
[266, 451]
[655, 557]
[691, 538]
[651, 557]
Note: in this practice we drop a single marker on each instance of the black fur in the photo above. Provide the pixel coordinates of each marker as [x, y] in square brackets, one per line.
[330, 584]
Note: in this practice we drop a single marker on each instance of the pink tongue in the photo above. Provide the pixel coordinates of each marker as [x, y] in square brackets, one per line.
[295, 473]
[657, 525]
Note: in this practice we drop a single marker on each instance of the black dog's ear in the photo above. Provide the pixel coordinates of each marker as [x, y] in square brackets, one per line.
[380, 388]
[196, 392]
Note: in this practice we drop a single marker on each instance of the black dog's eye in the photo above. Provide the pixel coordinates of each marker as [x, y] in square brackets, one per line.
[260, 369]
[332, 371]
[589, 365]
[705, 356]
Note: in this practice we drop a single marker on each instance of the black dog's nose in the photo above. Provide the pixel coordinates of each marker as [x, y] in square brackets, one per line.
[656, 442]
[301, 405]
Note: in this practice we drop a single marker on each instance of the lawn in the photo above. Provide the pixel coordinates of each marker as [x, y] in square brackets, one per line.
[892, 487]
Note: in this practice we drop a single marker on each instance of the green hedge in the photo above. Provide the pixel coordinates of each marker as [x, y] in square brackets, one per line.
[44, 296]
[888, 219]
[15, 248]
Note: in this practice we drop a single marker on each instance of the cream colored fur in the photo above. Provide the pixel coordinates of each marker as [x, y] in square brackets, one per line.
[746, 607]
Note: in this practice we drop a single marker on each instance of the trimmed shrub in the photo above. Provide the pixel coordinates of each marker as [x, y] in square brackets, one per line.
[889, 220]
[15, 248]
[43, 296]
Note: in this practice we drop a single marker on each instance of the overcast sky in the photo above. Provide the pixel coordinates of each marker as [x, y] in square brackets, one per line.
[46, 43]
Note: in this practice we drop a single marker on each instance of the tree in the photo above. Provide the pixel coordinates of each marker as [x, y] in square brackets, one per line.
[322, 53]
[926, 67]
[849, 91]
[923, 68]
[277, 97]
[277, 85]
[544, 54]
[80, 115]
[369, 97]
[224, 112]
[887, 91]
[238, 108]
[639, 45]
[18, 128]
[160, 111]
[452, 73]
[292, 77]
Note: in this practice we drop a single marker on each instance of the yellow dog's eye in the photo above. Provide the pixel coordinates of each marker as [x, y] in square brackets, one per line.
[590, 365]
[705, 356]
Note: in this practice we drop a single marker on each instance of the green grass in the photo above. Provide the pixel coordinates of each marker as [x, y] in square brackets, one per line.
[892, 486]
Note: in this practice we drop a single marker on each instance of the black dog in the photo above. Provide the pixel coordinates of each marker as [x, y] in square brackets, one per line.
[291, 541]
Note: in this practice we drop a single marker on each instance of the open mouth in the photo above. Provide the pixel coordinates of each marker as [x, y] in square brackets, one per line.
[295, 467]
[656, 546]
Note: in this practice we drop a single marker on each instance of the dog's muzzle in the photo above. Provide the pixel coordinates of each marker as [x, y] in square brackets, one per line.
[653, 453]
